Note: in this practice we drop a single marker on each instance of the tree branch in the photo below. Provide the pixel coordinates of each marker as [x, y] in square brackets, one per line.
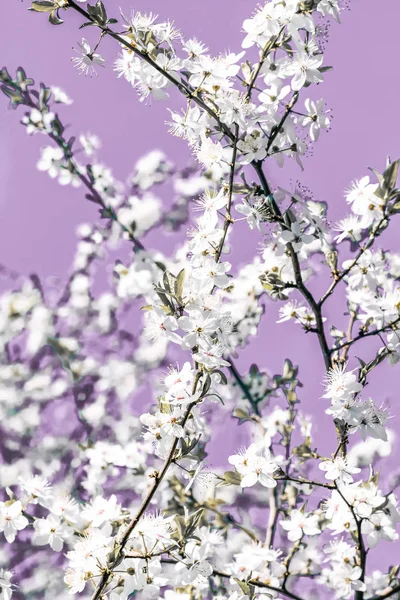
[260, 584]
[391, 592]
[158, 477]
[185, 89]
[367, 334]
[372, 237]
[228, 216]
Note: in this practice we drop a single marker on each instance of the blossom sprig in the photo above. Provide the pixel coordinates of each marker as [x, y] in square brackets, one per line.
[128, 511]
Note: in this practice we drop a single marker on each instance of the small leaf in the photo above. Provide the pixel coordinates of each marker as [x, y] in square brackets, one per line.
[44, 97]
[193, 521]
[169, 281]
[222, 376]
[378, 175]
[101, 11]
[22, 79]
[206, 385]
[180, 525]
[243, 586]
[43, 6]
[98, 13]
[87, 24]
[13, 94]
[232, 478]
[180, 279]
[160, 265]
[5, 76]
[54, 19]
[242, 415]
[390, 175]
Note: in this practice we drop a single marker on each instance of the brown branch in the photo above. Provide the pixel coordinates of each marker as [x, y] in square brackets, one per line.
[158, 477]
[367, 334]
[269, 46]
[226, 517]
[391, 592]
[228, 216]
[260, 584]
[316, 309]
[372, 237]
[306, 482]
[185, 89]
[69, 158]
[361, 551]
[279, 126]
[349, 336]
[272, 517]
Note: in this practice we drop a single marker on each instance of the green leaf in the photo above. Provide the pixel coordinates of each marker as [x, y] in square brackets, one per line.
[87, 24]
[57, 126]
[5, 76]
[14, 95]
[180, 279]
[180, 525]
[254, 371]
[44, 97]
[186, 448]
[21, 78]
[169, 281]
[291, 396]
[289, 370]
[43, 6]
[54, 19]
[101, 11]
[243, 586]
[206, 385]
[304, 452]
[160, 265]
[362, 363]
[193, 521]
[395, 208]
[390, 175]
[378, 175]
[215, 395]
[242, 415]
[222, 376]
[98, 13]
[166, 301]
[232, 478]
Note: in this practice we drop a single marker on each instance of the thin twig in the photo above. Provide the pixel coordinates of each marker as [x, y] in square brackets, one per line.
[272, 517]
[158, 478]
[371, 239]
[391, 592]
[281, 123]
[245, 388]
[68, 156]
[260, 584]
[367, 334]
[228, 217]
[269, 46]
[185, 89]
[362, 554]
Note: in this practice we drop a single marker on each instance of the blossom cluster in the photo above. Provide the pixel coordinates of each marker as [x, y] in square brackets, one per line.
[105, 494]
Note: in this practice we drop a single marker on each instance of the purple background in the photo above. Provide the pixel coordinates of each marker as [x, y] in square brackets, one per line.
[38, 217]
